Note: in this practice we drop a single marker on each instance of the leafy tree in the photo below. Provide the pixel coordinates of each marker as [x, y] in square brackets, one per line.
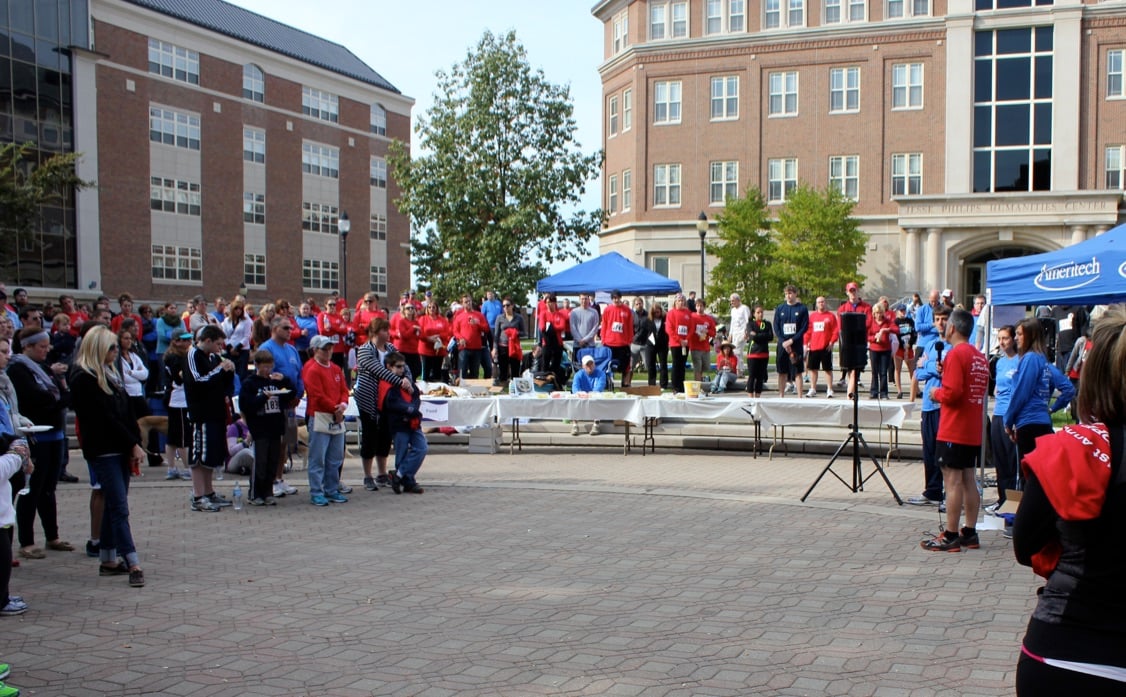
[487, 199]
[26, 184]
[820, 246]
[745, 251]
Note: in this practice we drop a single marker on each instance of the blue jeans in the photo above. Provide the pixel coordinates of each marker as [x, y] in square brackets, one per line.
[326, 455]
[116, 537]
[468, 363]
[410, 450]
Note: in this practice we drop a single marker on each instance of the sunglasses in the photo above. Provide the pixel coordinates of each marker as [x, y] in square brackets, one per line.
[507, 304]
[399, 365]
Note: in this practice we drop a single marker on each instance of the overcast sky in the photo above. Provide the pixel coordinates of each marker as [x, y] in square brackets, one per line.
[407, 42]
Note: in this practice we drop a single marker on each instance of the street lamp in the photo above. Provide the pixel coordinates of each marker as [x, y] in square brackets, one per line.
[242, 290]
[344, 225]
[702, 228]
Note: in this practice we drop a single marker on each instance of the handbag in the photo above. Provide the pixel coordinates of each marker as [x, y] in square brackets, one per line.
[323, 422]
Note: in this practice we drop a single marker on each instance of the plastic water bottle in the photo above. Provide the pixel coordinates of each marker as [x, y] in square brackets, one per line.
[236, 497]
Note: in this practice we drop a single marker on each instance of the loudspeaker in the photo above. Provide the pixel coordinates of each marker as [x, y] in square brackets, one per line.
[854, 340]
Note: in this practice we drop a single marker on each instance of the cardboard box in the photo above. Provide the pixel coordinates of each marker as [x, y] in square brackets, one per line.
[1012, 500]
[485, 440]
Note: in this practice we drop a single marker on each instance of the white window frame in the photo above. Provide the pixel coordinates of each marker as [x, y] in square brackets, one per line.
[1115, 82]
[377, 279]
[320, 274]
[172, 61]
[782, 178]
[253, 208]
[907, 174]
[253, 145]
[724, 182]
[320, 160]
[175, 264]
[713, 17]
[612, 194]
[254, 269]
[666, 101]
[783, 88]
[627, 110]
[725, 98]
[378, 120]
[907, 86]
[627, 190]
[783, 14]
[613, 115]
[378, 226]
[901, 9]
[668, 20]
[844, 175]
[320, 104]
[176, 128]
[846, 11]
[844, 90]
[177, 196]
[1114, 167]
[253, 83]
[319, 217]
[666, 186]
[620, 30]
[378, 171]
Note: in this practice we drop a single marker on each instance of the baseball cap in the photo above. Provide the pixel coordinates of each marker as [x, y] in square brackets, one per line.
[187, 336]
[852, 286]
[948, 293]
[588, 359]
[321, 341]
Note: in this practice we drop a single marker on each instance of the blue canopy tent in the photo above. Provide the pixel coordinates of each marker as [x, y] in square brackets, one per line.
[611, 271]
[1088, 273]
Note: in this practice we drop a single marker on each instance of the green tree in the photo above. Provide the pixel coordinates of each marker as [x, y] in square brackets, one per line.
[820, 245]
[493, 199]
[26, 184]
[744, 252]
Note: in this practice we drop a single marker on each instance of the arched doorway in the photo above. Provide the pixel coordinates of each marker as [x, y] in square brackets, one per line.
[973, 269]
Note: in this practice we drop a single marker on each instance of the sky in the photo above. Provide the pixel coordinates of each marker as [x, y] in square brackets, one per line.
[407, 42]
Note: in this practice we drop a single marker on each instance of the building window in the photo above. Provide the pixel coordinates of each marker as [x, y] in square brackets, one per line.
[318, 217]
[379, 172]
[844, 90]
[775, 18]
[839, 11]
[254, 269]
[668, 20]
[725, 98]
[907, 86]
[172, 263]
[613, 110]
[253, 208]
[169, 60]
[661, 266]
[1012, 117]
[253, 83]
[621, 31]
[379, 279]
[173, 128]
[317, 274]
[724, 182]
[666, 185]
[174, 196]
[627, 110]
[612, 202]
[725, 16]
[320, 104]
[1115, 166]
[904, 8]
[784, 94]
[1114, 87]
[844, 175]
[322, 160]
[378, 120]
[666, 108]
[907, 174]
[254, 145]
[982, 5]
[627, 190]
[378, 226]
[782, 178]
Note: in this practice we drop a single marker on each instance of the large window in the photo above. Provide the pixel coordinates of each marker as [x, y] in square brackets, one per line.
[627, 110]
[782, 178]
[907, 86]
[666, 102]
[661, 266]
[725, 98]
[627, 190]
[907, 174]
[173, 128]
[1012, 118]
[840, 11]
[784, 94]
[169, 60]
[725, 16]
[379, 279]
[612, 110]
[320, 104]
[378, 226]
[172, 263]
[174, 196]
[253, 83]
[1115, 166]
[1114, 87]
[253, 145]
[724, 182]
[612, 195]
[844, 90]
[844, 175]
[254, 269]
[319, 217]
[318, 274]
[621, 31]
[982, 5]
[908, 8]
[378, 120]
[322, 160]
[253, 208]
[666, 185]
[783, 14]
[379, 172]
[668, 20]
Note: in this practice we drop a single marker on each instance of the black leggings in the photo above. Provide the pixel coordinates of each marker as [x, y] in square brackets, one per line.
[1036, 679]
[756, 377]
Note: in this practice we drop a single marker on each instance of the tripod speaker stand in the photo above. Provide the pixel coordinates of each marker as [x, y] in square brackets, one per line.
[854, 339]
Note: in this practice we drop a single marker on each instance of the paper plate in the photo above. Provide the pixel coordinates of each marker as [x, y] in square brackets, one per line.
[36, 429]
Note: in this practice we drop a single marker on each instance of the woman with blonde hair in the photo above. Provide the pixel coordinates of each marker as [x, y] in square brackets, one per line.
[111, 444]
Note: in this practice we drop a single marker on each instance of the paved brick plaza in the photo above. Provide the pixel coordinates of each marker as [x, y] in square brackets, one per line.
[561, 571]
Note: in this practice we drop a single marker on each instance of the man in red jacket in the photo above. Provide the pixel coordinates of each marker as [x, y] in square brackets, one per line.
[617, 332]
[823, 332]
[965, 379]
[470, 330]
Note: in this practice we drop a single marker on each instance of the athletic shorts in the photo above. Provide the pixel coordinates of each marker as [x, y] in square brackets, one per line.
[375, 437]
[956, 456]
[782, 363]
[821, 360]
[178, 427]
[907, 355]
[209, 444]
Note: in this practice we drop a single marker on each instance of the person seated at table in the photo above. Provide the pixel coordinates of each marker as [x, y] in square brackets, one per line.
[725, 368]
[587, 380]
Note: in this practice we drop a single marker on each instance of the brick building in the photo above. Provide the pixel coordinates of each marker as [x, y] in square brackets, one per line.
[226, 146]
[966, 130]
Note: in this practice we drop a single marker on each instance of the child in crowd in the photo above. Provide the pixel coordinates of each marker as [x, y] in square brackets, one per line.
[401, 408]
[261, 401]
[725, 367]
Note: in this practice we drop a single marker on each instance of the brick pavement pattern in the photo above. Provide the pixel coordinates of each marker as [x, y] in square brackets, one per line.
[553, 572]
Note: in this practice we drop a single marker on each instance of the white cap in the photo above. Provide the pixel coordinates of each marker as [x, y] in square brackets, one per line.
[588, 359]
[948, 293]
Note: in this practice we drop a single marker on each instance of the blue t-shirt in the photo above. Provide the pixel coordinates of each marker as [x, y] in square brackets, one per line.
[588, 383]
[928, 376]
[492, 309]
[286, 362]
[1006, 369]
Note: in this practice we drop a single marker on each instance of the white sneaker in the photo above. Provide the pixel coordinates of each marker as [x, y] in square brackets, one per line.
[279, 489]
[812, 393]
[829, 394]
[574, 429]
[594, 430]
[791, 389]
[287, 488]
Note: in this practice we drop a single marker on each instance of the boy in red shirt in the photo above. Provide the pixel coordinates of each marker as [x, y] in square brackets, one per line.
[701, 333]
[965, 379]
[823, 332]
[617, 332]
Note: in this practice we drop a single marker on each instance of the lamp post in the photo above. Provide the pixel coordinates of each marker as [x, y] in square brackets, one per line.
[242, 290]
[702, 228]
[343, 225]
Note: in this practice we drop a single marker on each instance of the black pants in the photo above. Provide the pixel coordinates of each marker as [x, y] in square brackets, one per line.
[880, 361]
[267, 453]
[932, 473]
[1036, 679]
[656, 359]
[756, 375]
[1027, 435]
[1004, 452]
[414, 362]
[507, 367]
[679, 358]
[432, 368]
[41, 498]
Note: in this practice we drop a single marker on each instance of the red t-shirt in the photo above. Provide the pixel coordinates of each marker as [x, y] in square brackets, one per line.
[700, 324]
[363, 320]
[558, 320]
[115, 323]
[332, 325]
[823, 331]
[877, 341]
[405, 334]
[677, 326]
[617, 325]
[469, 326]
[325, 386]
[434, 328]
[965, 379]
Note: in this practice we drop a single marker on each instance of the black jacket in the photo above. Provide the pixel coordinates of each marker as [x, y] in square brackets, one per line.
[206, 386]
[105, 421]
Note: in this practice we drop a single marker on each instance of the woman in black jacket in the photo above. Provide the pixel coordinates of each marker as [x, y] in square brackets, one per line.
[651, 334]
[759, 333]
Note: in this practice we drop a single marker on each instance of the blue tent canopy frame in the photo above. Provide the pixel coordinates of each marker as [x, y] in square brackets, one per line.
[1089, 273]
[609, 272]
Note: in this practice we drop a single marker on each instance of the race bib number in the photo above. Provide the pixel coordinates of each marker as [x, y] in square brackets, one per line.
[616, 327]
[1065, 324]
[789, 328]
[272, 406]
[682, 330]
[818, 326]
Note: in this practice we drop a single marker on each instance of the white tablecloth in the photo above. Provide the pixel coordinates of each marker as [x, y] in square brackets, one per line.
[595, 409]
[461, 411]
[728, 410]
[827, 412]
